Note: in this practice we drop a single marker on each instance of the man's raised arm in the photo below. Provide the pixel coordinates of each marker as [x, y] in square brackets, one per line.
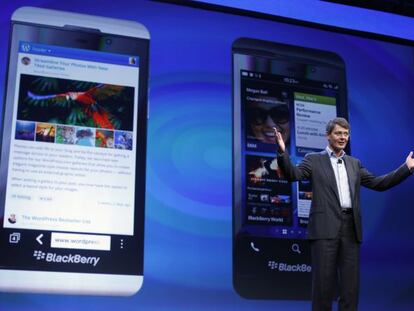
[290, 171]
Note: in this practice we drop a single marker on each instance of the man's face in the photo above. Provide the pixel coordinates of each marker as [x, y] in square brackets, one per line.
[338, 138]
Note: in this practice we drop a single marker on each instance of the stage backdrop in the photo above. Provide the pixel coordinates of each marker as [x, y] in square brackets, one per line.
[188, 225]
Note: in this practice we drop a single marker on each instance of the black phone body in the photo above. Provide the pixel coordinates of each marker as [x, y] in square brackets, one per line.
[73, 154]
[297, 90]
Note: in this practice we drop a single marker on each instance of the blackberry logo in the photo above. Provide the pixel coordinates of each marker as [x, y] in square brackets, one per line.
[285, 267]
[66, 259]
[39, 255]
[272, 265]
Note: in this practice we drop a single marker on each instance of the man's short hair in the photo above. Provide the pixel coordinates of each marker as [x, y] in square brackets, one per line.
[337, 121]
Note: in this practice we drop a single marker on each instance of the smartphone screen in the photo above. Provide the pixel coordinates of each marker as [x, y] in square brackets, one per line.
[73, 160]
[297, 90]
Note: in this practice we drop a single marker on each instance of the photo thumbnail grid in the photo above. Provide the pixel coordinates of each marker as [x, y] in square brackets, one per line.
[72, 135]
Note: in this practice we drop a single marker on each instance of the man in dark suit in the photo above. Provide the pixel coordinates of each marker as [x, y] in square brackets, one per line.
[334, 228]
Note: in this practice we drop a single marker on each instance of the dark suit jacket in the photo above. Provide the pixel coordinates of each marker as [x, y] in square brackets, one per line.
[325, 212]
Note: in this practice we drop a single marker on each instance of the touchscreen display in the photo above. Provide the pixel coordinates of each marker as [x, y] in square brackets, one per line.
[299, 108]
[71, 165]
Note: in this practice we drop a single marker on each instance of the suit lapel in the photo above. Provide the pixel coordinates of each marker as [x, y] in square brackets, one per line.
[351, 175]
[330, 175]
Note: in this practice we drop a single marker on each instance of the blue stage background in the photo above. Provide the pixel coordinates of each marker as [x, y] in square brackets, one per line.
[188, 225]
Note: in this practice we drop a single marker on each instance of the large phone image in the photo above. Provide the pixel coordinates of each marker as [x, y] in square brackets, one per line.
[297, 90]
[73, 155]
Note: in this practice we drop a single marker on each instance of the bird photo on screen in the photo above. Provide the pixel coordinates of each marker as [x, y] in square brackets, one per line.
[73, 102]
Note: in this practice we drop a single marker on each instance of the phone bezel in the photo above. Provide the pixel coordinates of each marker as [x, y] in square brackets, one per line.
[84, 32]
[259, 286]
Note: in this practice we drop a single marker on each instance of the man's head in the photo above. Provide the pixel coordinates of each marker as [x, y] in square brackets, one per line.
[337, 133]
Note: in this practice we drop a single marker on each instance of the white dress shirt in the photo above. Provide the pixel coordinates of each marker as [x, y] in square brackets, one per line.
[341, 177]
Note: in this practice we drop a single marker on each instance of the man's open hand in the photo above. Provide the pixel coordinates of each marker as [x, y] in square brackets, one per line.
[281, 143]
[410, 161]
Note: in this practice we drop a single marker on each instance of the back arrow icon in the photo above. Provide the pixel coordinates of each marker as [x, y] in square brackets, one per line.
[39, 239]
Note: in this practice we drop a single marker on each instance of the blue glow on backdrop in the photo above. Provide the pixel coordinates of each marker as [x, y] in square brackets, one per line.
[188, 213]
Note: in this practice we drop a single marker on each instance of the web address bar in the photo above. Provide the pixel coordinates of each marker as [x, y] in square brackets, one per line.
[80, 241]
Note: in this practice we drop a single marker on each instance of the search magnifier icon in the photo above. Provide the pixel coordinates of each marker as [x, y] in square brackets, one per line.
[295, 248]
